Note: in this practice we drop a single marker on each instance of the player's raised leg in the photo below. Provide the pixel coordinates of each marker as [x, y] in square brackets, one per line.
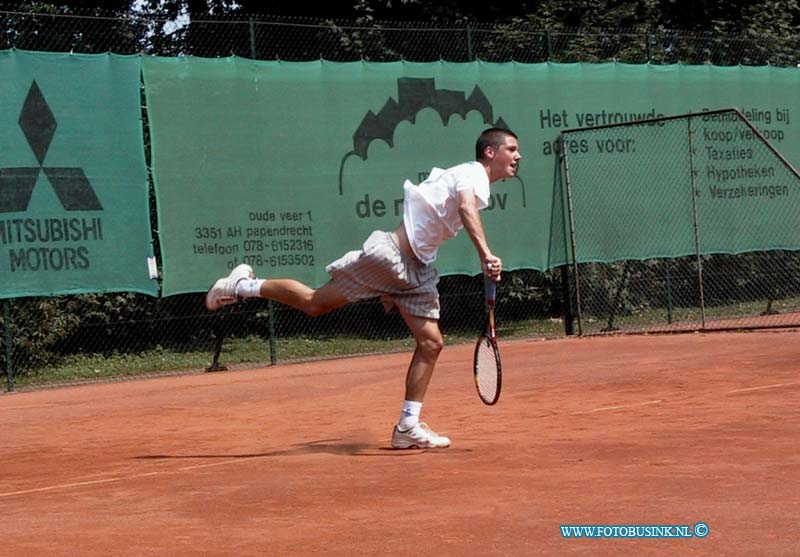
[312, 301]
[241, 283]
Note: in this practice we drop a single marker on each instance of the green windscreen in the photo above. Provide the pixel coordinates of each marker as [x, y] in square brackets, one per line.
[287, 166]
[74, 212]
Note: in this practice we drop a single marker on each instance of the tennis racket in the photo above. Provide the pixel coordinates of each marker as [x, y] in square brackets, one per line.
[487, 368]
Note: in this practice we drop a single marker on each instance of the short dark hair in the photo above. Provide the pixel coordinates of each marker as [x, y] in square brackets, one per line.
[491, 137]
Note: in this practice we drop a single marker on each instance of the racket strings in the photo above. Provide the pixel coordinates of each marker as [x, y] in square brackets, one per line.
[486, 370]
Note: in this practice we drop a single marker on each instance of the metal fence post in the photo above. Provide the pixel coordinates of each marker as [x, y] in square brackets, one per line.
[219, 339]
[562, 153]
[566, 294]
[251, 25]
[470, 54]
[273, 353]
[9, 351]
[273, 357]
[669, 291]
[692, 174]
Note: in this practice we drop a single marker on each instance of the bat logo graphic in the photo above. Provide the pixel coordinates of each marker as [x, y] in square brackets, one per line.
[414, 95]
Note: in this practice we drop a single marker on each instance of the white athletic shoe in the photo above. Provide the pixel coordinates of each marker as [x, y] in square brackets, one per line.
[224, 290]
[420, 437]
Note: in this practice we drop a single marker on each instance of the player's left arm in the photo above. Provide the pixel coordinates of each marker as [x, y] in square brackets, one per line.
[491, 265]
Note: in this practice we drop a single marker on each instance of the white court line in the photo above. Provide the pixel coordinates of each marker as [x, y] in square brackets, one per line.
[124, 478]
[62, 486]
[762, 387]
[623, 406]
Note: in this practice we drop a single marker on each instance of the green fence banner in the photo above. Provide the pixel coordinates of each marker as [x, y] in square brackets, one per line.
[287, 165]
[74, 214]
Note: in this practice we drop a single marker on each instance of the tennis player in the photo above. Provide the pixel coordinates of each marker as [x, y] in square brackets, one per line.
[397, 266]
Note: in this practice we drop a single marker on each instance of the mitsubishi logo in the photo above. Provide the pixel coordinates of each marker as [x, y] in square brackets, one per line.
[70, 184]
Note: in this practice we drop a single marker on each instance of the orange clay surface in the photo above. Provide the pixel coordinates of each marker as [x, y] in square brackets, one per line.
[294, 459]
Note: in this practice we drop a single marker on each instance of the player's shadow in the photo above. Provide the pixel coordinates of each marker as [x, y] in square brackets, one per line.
[323, 446]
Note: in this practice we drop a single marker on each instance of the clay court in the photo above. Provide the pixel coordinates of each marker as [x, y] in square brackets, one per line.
[294, 459]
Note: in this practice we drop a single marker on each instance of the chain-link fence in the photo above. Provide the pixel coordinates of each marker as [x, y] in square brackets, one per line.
[70, 338]
[298, 39]
[683, 223]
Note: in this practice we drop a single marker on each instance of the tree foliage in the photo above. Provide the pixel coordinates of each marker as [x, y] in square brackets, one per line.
[659, 31]
[775, 16]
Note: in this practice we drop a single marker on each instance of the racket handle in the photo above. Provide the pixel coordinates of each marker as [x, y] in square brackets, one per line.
[490, 287]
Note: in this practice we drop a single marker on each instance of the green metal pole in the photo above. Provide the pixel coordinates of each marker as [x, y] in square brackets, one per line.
[9, 352]
[566, 294]
[273, 353]
[470, 55]
[669, 294]
[253, 53]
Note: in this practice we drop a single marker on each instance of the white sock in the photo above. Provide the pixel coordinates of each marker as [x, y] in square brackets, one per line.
[409, 416]
[249, 288]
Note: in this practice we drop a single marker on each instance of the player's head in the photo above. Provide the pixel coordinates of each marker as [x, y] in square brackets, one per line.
[491, 138]
[498, 149]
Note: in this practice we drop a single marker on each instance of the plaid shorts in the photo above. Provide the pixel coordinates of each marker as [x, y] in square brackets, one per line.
[379, 269]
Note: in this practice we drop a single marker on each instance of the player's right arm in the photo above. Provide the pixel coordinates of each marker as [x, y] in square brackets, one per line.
[491, 265]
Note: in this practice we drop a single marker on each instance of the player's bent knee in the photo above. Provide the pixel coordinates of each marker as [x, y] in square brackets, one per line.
[315, 309]
[431, 345]
[323, 300]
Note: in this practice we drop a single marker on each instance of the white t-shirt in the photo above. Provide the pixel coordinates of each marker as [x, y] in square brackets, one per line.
[430, 210]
